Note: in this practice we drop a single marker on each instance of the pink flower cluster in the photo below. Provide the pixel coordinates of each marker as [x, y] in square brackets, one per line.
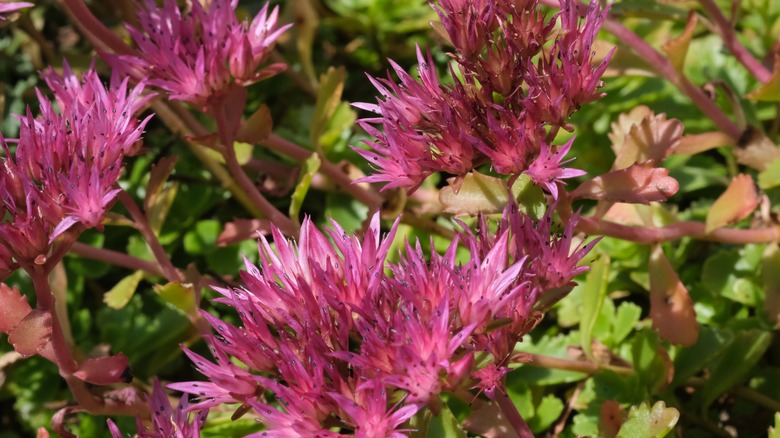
[510, 90]
[166, 422]
[344, 337]
[61, 177]
[198, 55]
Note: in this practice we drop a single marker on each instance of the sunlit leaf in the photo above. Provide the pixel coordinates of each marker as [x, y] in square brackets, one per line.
[692, 144]
[677, 48]
[649, 422]
[638, 183]
[310, 168]
[735, 204]
[123, 291]
[770, 91]
[105, 370]
[653, 138]
[594, 292]
[770, 177]
[480, 193]
[181, 296]
[774, 432]
[14, 308]
[671, 308]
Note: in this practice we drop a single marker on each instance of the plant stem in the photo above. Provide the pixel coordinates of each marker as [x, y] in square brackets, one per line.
[726, 31]
[96, 32]
[226, 137]
[116, 258]
[142, 224]
[677, 231]
[512, 415]
[343, 182]
[557, 363]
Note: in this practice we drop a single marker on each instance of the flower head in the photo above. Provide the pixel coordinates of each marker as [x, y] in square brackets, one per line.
[507, 93]
[166, 422]
[199, 55]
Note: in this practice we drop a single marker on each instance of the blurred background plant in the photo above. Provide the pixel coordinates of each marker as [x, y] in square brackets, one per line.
[606, 360]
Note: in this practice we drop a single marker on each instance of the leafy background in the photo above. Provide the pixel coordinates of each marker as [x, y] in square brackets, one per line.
[724, 385]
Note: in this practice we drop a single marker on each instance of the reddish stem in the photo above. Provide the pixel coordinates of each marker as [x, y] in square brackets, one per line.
[226, 137]
[676, 231]
[116, 258]
[513, 416]
[96, 32]
[142, 224]
[726, 31]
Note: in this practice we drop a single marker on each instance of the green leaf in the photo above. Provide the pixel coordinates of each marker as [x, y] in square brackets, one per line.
[626, 318]
[774, 432]
[348, 212]
[647, 422]
[202, 237]
[161, 206]
[732, 367]
[445, 425]
[479, 193]
[646, 353]
[310, 168]
[720, 275]
[593, 298]
[181, 296]
[770, 177]
[710, 344]
[553, 346]
[547, 411]
[122, 292]
[328, 100]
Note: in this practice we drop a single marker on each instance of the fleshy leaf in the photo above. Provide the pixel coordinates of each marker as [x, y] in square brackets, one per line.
[328, 99]
[257, 127]
[774, 432]
[13, 309]
[652, 139]
[769, 92]
[756, 150]
[182, 296]
[611, 418]
[120, 294]
[694, 143]
[677, 48]
[480, 193]
[731, 367]
[647, 422]
[770, 274]
[639, 183]
[671, 308]
[32, 333]
[770, 177]
[159, 174]
[242, 229]
[594, 292]
[105, 370]
[735, 204]
[310, 168]
[487, 420]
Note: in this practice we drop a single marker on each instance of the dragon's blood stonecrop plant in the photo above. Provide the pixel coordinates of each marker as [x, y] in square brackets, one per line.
[516, 239]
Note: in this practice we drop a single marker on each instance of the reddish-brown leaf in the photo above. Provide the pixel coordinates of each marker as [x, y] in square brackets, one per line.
[639, 183]
[13, 309]
[671, 308]
[736, 203]
[611, 419]
[32, 333]
[105, 370]
[243, 229]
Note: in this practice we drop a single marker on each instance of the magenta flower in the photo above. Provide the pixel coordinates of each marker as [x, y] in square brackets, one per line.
[507, 95]
[330, 326]
[62, 177]
[197, 56]
[7, 7]
[546, 170]
[166, 422]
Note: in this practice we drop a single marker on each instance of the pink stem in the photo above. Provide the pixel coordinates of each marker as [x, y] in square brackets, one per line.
[343, 182]
[726, 31]
[96, 32]
[226, 137]
[116, 258]
[677, 231]
[512, 415]
[142, 223]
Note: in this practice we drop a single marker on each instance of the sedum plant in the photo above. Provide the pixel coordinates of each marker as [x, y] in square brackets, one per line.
[341, 297]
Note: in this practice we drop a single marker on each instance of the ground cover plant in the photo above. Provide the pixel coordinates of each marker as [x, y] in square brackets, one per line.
[319, 218]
